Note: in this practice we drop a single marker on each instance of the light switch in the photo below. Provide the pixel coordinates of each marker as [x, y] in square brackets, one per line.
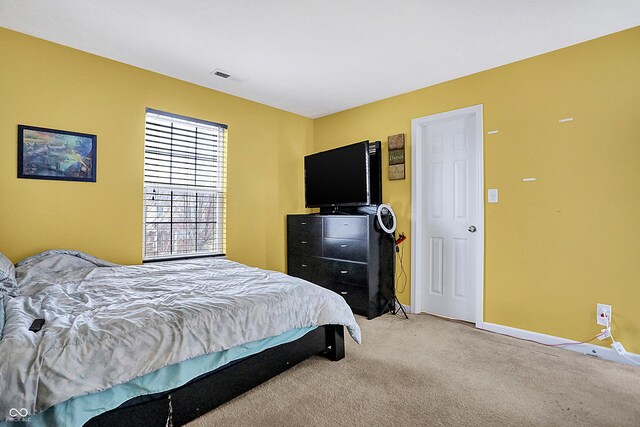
[492, 196]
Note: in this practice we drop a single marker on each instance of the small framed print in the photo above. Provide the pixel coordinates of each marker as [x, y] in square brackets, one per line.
[56, 154]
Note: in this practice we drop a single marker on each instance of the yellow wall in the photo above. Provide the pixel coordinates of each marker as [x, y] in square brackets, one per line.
[48, 85]
[558, 246]
[554, 248]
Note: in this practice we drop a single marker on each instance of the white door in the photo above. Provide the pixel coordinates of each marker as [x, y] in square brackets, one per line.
[449, 213]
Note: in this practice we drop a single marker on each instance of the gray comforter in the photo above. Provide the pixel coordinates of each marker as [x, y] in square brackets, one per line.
[107, 324]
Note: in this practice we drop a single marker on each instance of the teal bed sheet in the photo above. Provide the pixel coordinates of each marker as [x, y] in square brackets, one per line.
[78, 410]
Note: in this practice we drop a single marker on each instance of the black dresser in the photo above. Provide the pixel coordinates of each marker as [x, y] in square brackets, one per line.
[345, 253]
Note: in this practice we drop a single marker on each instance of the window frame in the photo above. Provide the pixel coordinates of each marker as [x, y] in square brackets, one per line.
[218, 191]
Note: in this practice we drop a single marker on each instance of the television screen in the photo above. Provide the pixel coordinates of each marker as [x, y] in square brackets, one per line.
[338, 177]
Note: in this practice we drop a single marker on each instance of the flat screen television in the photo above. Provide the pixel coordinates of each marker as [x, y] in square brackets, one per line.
[338, 177]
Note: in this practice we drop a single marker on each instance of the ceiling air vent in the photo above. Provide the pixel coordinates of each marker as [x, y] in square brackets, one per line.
[221, 73]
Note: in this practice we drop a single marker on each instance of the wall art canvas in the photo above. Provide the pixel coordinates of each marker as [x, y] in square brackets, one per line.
[56, 154]
[396, 156]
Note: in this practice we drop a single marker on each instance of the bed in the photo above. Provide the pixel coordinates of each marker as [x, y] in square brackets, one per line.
[159, 343]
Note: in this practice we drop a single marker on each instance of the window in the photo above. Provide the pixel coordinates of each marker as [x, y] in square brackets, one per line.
[184, 187]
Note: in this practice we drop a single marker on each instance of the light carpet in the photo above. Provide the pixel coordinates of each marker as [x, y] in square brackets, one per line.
[429, 371]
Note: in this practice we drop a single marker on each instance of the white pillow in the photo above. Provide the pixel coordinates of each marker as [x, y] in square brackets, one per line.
[7, 275]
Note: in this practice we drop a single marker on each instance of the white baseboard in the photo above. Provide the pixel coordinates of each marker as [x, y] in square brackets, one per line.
[588, 349]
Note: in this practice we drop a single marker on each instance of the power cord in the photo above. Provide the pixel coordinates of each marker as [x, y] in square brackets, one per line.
[616, 345]
[550, 345]
[403, 273]
[624, 353]
[396, 307]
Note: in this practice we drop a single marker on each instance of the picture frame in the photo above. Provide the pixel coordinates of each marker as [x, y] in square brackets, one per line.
[54, 154]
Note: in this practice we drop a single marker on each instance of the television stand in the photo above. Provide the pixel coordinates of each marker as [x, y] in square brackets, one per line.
[334, 211]
[349, 210]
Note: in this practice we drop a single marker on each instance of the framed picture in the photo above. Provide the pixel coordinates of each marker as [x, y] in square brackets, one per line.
[56, 154]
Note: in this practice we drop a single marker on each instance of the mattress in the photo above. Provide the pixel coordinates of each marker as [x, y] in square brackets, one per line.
[107, 324]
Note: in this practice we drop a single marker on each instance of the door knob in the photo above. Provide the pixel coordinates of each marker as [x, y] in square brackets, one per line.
[472, 229]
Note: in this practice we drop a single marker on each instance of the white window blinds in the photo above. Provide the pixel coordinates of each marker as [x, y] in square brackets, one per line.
[184, 187]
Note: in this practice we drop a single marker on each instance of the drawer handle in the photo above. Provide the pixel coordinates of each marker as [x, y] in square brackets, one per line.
[345, 225]
[304, 242]
[304, 265]
[303, 223]
[343, 246]
[344, 292]
[343, 271]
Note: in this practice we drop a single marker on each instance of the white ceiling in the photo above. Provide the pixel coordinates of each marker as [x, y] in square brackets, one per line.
[316, 57]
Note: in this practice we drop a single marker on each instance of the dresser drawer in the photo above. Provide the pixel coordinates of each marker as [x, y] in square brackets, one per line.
[348, 249]
[304, 245]
[345, 227]
[356, 296]
[345, 271]
[304, 225]
[306, 268]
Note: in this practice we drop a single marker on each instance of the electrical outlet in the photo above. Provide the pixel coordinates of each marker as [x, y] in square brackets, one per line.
[603, 313]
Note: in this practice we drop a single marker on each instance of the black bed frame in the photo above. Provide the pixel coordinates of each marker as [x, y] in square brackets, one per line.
[208, 391]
